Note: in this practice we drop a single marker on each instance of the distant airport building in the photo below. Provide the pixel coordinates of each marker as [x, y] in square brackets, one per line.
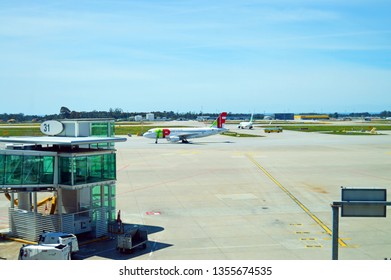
[150, 117]
[64, 181]
[203, 118]
[284, 116]
[312, 117]
[138, 118]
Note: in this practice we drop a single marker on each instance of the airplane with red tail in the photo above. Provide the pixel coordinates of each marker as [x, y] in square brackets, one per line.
[183, 134]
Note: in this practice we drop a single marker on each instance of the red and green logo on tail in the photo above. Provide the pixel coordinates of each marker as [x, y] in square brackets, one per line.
[220, 121]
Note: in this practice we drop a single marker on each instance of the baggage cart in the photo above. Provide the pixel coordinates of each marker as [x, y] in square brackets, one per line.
[129, 240]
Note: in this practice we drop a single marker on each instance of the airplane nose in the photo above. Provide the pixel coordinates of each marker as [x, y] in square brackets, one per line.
[148, 134]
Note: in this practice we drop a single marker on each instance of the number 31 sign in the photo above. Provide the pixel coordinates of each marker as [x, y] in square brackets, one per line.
[52, 128]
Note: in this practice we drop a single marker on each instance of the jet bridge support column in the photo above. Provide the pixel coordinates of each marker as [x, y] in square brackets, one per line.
[59, 207]
[12, 200]
[24, 202]
[35, 204]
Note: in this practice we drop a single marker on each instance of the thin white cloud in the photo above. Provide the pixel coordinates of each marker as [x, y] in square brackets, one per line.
[299, 15]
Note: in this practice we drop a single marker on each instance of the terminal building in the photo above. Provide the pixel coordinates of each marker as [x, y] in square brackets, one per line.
[63, 181]
[284, 116]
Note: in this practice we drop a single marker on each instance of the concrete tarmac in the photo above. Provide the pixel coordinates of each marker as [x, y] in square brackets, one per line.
[241, 198]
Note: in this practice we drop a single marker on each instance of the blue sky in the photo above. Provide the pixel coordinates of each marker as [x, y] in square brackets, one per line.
[238, 56]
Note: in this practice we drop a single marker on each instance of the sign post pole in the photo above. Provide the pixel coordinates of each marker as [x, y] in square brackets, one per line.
[335, 208]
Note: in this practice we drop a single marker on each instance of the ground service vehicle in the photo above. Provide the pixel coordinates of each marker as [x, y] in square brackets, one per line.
[50, 238]
[273, 129]
[45, 252]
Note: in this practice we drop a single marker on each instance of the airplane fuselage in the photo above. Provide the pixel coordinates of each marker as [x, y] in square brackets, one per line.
[195, 132]
[182, 134]
[248, 125]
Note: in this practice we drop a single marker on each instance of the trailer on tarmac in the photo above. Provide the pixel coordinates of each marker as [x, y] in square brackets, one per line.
[129, 240]
[273, 129]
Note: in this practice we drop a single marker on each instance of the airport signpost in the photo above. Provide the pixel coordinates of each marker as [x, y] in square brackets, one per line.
[366, 209]
[358, 203]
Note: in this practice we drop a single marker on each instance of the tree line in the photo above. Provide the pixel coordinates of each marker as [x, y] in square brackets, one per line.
[119, 114]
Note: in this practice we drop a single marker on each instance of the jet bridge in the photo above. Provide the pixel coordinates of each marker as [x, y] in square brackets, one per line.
[62, 181]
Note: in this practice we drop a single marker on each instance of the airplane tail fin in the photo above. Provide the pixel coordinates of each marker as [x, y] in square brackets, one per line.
[220, 121]
[251, 119]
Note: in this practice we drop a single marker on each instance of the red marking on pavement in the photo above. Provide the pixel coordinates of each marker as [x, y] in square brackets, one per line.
[122, 168]
[152, 213]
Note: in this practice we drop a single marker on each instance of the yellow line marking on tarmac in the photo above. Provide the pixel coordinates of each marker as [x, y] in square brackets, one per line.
[302, 206]
[18, 239]
[313, 246]
[94, 240]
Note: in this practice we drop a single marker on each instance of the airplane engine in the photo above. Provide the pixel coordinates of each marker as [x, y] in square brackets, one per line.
[173, 139]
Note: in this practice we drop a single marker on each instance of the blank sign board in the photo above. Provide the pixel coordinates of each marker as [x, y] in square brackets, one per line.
[365, 209]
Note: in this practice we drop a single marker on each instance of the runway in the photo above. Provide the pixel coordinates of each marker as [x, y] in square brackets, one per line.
[259, 198]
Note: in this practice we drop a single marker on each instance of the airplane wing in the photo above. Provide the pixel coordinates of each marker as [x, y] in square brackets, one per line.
[181, 137]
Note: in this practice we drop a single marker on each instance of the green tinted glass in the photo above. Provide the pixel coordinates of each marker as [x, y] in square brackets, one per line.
[47, 170]
[100, 129]
[65, 174]
[13, 170]
[80, 170]
[2, 169]
[31, 169]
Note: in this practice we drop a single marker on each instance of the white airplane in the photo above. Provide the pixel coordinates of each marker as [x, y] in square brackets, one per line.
[248, 125]
[182, 134]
